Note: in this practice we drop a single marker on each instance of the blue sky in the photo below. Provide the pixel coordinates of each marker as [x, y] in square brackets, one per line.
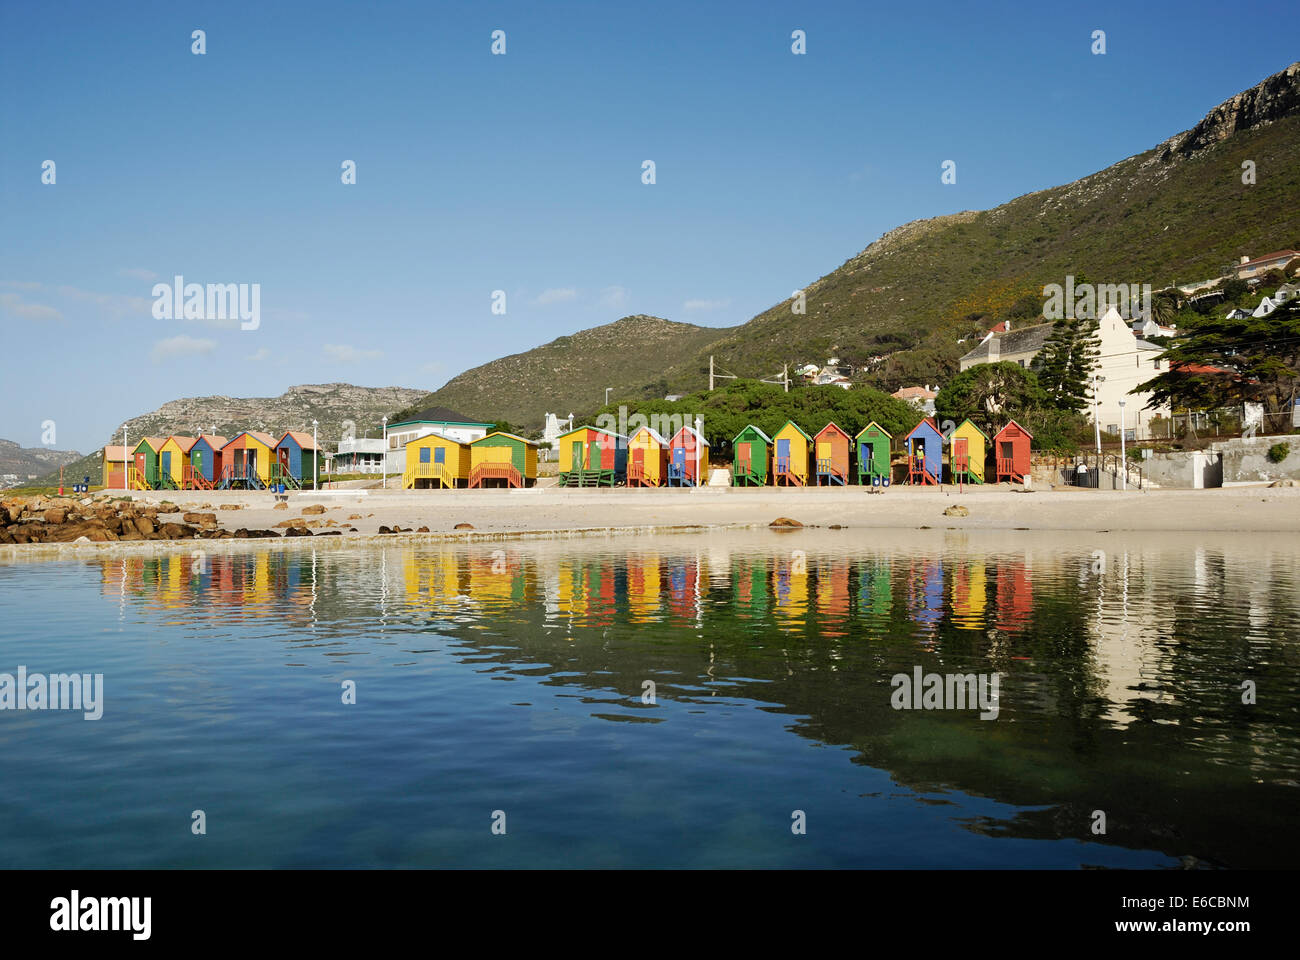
[519, 172]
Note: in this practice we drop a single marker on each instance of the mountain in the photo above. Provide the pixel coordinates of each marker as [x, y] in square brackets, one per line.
[28, 462]
[1176, 213]
[571, 373]
[330, 404]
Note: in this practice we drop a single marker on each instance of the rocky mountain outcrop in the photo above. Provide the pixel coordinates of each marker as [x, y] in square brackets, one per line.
[330, 404]
[1270, 100]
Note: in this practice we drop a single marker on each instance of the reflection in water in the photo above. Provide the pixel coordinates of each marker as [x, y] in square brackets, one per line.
[1121, 663]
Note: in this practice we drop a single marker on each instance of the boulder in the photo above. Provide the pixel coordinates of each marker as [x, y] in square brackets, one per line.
[144, 525]
[957, 510]
[199, 517]
[785, 523]
[56, 514]
[229, 506]
[463, 526]
[314, 508]
[281, 506]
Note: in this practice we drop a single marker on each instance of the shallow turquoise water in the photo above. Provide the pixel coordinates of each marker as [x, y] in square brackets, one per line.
[509, 677]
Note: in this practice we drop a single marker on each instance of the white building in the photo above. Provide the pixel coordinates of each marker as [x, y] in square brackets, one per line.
[556, 428]
[1124, 362]
[359, 455]
[440, 420]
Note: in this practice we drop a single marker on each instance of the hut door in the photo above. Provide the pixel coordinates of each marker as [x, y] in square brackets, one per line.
[679, 458]
[960, 454]
[638, 461]
[783, 454]
[865, 461]
[575, 455]
[167, 463]
[139, 465]
[196, 461]
[594, 459]
[1006, 450]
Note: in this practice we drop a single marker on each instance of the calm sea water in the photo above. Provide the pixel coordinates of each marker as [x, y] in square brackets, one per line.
[510, 680]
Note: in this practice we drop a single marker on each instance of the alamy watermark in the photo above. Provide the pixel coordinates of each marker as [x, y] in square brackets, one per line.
[58, 691]
[950, 691]
[1087, 301]
[664, 424]
[179, 300]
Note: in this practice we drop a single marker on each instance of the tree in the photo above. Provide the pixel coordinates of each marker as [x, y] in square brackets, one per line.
[1218, 361]
[989, 394]
[1164, 305]
[1064, 365]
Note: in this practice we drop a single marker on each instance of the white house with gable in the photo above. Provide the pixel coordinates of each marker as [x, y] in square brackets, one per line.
[1125, 361]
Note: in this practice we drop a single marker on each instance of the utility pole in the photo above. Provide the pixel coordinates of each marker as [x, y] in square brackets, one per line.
[710, 373]
[785, 376]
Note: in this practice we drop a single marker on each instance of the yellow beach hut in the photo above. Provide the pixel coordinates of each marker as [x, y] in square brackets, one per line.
[435, 461]
[790, 460]
[647, 456]
[502, 459]
[967, 447]
[173, 462]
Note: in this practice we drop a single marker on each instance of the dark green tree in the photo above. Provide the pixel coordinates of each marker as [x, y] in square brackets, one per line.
[989, 394]
[1064, 366]
[1217, 361]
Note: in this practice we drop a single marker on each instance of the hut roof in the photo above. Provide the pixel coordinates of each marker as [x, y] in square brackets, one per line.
[928, 423]
[212, 440]
[502, 433]
[750, 426]
[975, 425]
[608, 433]
[1011, 423]
[185, 443]
[802, 432]
[255, 434]
[435, 435]
[654, 435]
[691, 430]
[303, 440]
[837, 427]
[112, 452]
[878, 427]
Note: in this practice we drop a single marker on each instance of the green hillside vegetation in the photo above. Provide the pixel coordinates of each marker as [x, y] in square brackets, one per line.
[570, 374]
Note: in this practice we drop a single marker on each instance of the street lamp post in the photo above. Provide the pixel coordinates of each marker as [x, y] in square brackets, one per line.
[699, 452]
[126, 462]
[1096, 417]
[315, 458]
[1123, 462]
[385, 482]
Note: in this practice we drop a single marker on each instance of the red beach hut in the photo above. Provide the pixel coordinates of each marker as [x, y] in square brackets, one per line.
[831, 445]
[1011, 447]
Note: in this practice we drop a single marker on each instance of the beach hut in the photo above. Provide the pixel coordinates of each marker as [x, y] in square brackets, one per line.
[831, 455]
[873, 454]
[502, 458]
[246, 461]
[790, 456]
[145, 468]
[1011, 446]
[752, 450]
[436, 461]
[647, 458]
[112, 461]
[967, 447]
[298, 460]
[924, 447]
[591, 456]
[688, 455]
[205, 462]
[174, 462]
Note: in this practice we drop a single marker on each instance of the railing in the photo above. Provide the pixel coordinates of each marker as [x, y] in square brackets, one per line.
[425, 471]
[495, 471]
[826, 468]
[1067, 468]
[1007, 469]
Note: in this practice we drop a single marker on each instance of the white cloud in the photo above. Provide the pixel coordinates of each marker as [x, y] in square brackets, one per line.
[556, 295]
[28, 311]
[706, 304]
[614, 296]
[138, 273]
[350, 354]
[116, 304]
[181, 346]
[261, 354]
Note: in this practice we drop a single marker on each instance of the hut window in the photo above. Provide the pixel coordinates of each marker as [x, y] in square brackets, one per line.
[424, 454]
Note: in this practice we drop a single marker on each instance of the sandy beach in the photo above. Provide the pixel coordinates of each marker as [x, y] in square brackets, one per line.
[354, 513]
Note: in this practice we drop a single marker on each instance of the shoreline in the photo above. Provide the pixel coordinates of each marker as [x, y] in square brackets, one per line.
[558, 514]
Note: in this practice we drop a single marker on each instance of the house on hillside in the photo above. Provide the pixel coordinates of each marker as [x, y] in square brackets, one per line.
[1018, 345]
[1149, 328]
[920, 397]
[1237, 313]
[1288, 291]
[1266, 306]
[1279, 260]
[831, 376]
[440, 420]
